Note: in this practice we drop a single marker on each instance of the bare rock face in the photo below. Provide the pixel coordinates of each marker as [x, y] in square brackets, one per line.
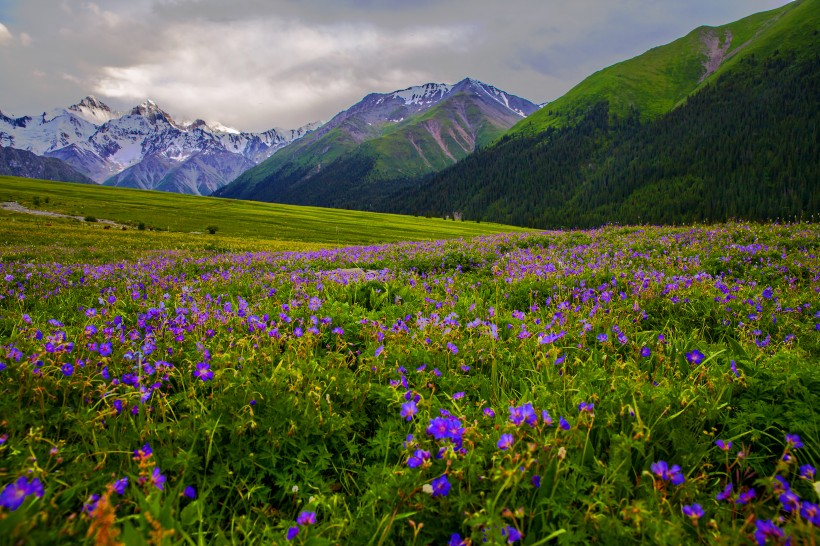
[716, 51]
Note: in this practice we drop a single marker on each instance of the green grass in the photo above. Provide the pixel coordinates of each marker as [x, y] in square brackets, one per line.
[277, 387]
[237, 221]
[658, 80]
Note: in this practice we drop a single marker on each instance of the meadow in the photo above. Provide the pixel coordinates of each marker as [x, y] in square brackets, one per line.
[617, 386]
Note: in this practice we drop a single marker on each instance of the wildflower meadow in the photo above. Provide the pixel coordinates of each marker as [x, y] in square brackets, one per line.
[622, 385]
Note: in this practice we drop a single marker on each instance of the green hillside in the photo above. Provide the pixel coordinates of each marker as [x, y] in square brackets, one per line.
[372, 148]
[654, 82]
[247, 220]
[745, 145]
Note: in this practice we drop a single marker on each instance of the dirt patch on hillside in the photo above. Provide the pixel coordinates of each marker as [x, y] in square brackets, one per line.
[716, 51]
[13, 206]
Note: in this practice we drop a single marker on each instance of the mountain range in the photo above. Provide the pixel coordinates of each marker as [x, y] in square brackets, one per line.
[719, 124]
[143, 148]
[384, 139]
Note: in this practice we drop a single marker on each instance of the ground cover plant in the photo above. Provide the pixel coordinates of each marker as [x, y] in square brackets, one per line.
[618, 385]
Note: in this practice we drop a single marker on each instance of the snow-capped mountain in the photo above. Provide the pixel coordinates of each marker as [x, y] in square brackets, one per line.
[109, 147]
[381, 142]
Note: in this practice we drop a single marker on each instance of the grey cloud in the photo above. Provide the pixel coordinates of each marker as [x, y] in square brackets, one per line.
[255, 64]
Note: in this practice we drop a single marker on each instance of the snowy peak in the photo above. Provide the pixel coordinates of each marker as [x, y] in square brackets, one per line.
[422, 95]
[93, 111]
[516, 104]
[147, 109]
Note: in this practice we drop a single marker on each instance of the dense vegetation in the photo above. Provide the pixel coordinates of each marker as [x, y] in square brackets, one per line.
[619, 385]
[746, 146]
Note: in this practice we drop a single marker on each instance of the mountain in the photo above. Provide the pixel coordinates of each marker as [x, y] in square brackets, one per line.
[662, 78]
[14, 162]
[144, 147]
[720, 124]
[382, 141]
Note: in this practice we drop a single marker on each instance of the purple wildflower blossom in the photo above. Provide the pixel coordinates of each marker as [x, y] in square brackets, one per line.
[695, 357]
[765, 529]
[441, 486]
[306, 518]
[408, 410]
[505, 442]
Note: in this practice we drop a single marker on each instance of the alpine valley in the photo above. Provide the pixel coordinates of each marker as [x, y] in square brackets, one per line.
[143, 148]
[721, 123]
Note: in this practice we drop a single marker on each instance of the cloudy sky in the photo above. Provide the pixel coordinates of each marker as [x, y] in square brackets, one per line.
[257, 64]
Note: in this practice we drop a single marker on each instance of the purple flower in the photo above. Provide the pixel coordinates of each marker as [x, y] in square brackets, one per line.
[158, 479]
[452, 347]
[793, 440]
[189, 492]
[441, 486]
[725, 494]
[306, 518]
[790, 501]
[694, 511]
[105, 349]
[545, 416]
[695, 357]
[723, 445]
[662, 470]
[536, 481]
[458, 396]
[765, 530]
[144, 452]
[408, 410]
[603, 338]
[512, 534]
[418, 458]
[505, 442]
[67, 369]
[379, 350]
[16, 492]
[588, 407]
[646, 352]
[563, 423]
[120, 485]
[807, 472]
[489, 412]
[292, 532]
[523, 413]
[203, 371]
[810, 512]
[455, 540]
[746, 496]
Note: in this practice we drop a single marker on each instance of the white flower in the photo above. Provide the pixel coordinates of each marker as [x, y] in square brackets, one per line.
[294, 489]
[427, 488]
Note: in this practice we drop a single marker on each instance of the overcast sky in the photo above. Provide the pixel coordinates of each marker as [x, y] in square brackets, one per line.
[257, 64]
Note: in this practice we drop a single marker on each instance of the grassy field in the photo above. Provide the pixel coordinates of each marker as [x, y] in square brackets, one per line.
[635, 385]
[234, 219]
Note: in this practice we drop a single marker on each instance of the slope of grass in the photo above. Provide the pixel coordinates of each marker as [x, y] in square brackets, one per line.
[237, 219]
[656, 81]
